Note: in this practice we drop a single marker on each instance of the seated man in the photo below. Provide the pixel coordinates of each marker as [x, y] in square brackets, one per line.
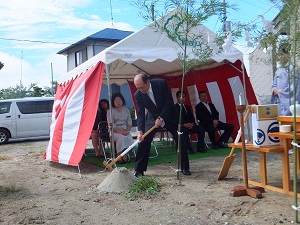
[208, 117]
[188, 124]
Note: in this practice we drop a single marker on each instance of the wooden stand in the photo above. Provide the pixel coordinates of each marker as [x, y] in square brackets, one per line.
[255, 192]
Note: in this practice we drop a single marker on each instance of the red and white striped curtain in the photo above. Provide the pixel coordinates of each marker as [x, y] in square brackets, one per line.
[73, 116]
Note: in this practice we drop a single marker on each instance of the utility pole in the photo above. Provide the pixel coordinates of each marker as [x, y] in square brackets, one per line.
[152, 12]
[226, 24]
[21, 84]
[52, 89]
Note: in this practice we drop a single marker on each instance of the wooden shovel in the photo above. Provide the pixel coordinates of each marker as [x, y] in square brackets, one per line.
[109, 165]
[229, 159]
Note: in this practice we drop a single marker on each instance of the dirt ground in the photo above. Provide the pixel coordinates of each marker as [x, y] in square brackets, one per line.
[50, 193]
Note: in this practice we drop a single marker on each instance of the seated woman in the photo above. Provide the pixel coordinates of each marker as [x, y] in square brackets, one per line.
[104, 107]
[122, 124]
[95, 135]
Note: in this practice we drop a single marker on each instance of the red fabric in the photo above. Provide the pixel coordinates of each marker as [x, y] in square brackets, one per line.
[73, 116]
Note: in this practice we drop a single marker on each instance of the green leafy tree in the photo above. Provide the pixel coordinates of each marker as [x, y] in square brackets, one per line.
[32, 91]
[13, 92]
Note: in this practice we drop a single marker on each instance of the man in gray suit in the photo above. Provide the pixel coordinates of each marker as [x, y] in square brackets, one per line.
[154, 96]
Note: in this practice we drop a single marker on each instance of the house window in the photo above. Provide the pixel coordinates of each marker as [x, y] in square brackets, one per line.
[78, 58]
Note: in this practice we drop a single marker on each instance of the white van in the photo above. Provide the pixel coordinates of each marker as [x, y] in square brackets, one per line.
[24, 118]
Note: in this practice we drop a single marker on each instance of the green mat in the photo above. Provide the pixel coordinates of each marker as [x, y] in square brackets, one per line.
[166, 154]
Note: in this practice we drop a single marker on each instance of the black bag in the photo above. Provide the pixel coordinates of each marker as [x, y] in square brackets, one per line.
[103, 130]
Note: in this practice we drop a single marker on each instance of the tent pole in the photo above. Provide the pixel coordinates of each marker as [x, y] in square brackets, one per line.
[112, 146]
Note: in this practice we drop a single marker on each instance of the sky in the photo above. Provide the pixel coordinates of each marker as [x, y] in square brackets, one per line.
[33, 31]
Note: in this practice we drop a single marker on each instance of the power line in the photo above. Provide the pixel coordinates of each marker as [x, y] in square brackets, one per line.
[35, 41]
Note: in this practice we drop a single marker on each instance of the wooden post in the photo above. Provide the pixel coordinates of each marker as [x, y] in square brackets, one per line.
[255, 192]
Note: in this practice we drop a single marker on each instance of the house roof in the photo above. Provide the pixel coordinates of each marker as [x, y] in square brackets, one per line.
[108, 34]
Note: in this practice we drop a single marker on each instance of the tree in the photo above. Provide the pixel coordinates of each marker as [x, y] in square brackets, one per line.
[32, 91]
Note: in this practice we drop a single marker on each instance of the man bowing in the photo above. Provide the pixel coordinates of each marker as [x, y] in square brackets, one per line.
[155, 107]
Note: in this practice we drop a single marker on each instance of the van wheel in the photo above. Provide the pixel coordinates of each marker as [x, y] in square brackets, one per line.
[3, 136]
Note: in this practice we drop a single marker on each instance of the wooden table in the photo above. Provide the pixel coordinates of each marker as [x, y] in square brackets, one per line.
[288, 120]
[285, 141]
[262, 150]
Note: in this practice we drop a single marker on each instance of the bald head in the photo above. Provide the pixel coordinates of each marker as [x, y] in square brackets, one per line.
[142, 82]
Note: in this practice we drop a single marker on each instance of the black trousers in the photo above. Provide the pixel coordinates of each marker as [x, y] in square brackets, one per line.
[143, 151]
[200, 131]
[211, 130]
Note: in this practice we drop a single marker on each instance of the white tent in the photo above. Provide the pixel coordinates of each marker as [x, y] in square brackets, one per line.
[149, 51]
[153, 53]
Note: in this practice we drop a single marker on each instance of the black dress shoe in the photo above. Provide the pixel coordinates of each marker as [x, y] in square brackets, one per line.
[202, 150]
[138, 174]
[186, 172]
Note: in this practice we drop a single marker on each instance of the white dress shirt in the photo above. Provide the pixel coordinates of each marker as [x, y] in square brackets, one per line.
[151, 95]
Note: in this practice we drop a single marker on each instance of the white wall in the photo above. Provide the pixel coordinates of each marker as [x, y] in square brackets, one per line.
[261, 75]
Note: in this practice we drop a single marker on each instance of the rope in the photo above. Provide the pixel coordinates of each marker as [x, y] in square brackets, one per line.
[295, 144]
[175, 170]
[296, 207]
[79, 173]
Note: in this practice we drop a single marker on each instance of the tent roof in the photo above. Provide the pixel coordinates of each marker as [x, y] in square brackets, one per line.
[149, 51]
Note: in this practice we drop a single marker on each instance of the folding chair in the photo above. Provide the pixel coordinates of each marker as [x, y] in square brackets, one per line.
[104, 138]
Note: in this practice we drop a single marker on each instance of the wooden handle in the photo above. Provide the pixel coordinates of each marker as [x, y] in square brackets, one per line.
[248, 111]
[109, 165]
[232, 151]
[149, 131]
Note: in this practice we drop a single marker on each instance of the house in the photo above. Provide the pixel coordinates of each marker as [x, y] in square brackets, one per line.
[90, 46]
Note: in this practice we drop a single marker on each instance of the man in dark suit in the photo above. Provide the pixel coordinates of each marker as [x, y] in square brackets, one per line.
[208, 117]
[188, 125]
[155, 97]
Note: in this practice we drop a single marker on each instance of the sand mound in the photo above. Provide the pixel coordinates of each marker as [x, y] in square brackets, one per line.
[117, 181]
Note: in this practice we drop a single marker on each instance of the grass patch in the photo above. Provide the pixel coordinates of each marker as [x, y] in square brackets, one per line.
[166, 154]
[10, 188]
[143, 187]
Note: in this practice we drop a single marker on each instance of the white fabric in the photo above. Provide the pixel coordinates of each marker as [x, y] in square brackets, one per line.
[149, 51]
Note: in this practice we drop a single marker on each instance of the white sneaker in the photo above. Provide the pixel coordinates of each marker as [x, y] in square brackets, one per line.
[291, 151]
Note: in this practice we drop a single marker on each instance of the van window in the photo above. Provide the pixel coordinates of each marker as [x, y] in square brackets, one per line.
[5, 107]
[31, 107]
